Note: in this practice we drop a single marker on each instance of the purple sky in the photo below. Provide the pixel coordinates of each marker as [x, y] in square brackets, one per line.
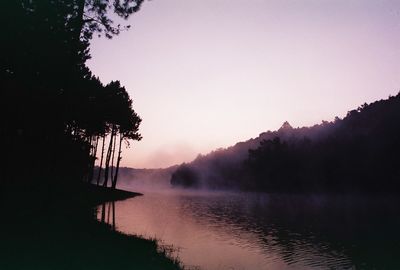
[209, 73]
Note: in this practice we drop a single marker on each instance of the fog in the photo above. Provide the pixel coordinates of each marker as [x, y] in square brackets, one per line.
[145, 180]
[219, 167]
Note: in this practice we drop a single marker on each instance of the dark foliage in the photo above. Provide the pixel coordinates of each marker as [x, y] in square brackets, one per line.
[53, 114]
[61, 232]
[185, 176]
[354, 154]
[53, 110]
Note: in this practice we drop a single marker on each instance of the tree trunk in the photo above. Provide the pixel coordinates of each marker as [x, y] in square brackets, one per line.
[93, 156]
[101, 161]
[114, 183]
[112, 159]
[88, 139]
[108, 157]
[95, 146]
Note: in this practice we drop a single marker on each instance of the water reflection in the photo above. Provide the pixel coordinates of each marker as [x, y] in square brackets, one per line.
[259, 231]
[107, 214]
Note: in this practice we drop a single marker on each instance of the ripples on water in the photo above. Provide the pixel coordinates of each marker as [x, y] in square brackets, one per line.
[220, 230]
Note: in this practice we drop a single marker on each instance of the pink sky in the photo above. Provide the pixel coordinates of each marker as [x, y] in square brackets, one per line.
[206, 74]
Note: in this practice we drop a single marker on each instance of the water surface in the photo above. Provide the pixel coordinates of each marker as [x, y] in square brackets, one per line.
[225, 230]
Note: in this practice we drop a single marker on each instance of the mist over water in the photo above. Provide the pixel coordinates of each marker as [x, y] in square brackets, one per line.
[146, 180]
[241, 230]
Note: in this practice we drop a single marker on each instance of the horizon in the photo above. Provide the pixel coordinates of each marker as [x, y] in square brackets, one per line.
[268, 62]
[225, 148]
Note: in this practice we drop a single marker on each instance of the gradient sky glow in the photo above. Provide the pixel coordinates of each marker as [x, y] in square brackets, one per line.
[209, 73]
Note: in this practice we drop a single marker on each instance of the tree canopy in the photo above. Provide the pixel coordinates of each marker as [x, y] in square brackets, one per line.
[52, 107]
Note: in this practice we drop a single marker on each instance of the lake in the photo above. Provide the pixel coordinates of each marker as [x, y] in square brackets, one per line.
[228, 230]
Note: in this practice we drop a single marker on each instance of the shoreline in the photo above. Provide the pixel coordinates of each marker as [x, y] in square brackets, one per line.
[100, 194]
[58, 229]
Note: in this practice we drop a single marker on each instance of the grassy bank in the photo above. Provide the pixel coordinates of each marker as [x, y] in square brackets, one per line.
[42, 230]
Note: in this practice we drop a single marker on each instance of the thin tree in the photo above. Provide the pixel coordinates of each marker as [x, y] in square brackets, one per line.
[93, 157]
[129, 130]
[114, 182]
[101, 160]
[112, 158]
[108, 158]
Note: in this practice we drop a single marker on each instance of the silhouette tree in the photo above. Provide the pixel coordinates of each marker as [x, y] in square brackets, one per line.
[51, 105]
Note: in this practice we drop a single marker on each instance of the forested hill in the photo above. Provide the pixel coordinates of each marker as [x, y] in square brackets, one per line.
[355, 154]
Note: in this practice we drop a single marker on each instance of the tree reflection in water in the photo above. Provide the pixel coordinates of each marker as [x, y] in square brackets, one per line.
[108, 214]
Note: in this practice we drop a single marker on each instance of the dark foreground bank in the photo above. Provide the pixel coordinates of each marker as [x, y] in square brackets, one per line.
[43, 230]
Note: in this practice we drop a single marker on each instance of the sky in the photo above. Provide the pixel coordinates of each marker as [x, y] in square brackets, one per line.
[205, 74]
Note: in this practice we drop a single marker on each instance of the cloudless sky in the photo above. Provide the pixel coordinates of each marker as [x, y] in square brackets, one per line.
[205, 74]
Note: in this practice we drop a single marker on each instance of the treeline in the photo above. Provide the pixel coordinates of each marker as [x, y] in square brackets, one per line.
[55, 114]
[358, 153]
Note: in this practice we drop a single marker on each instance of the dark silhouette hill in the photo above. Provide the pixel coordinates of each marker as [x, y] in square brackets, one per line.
[355, 154]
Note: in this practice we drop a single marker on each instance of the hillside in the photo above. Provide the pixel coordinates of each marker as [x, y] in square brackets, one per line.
[348, 154]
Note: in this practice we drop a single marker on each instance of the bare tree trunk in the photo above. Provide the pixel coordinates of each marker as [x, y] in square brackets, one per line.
[95, 146]
[101, 161]
[112, 159]
[88, 140]
[93, 156]
[108, 157]
[114, 183]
